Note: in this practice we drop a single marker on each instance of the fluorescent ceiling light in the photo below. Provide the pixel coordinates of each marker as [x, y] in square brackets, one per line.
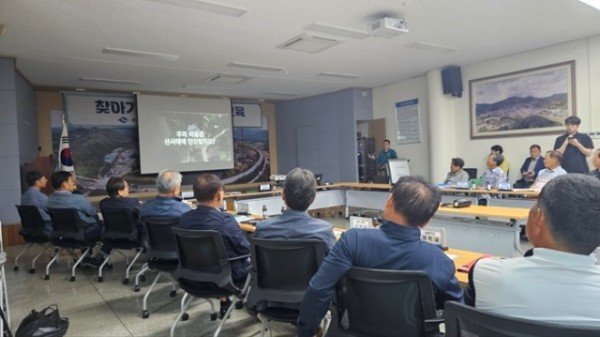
[308, 43]
[227, 79]
[340, 75]
[108, 80]
[592, 3]
[335, 30]
[431, 47]
[255, 66]
[208, 6]
[140, 53]
[281, 94]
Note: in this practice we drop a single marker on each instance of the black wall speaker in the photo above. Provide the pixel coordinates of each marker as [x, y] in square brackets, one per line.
[452, 81]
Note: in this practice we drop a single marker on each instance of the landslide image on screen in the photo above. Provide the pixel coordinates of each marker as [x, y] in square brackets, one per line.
[197, 137]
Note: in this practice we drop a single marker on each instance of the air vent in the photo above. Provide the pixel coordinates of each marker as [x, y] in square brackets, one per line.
[308, 43]
[227, 79]
[338, 75]
[335, 30]
[140, 53]
[255, 66]
[431, 47]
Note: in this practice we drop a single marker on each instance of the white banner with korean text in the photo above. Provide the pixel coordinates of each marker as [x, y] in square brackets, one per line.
[246, 115]
[100, 109]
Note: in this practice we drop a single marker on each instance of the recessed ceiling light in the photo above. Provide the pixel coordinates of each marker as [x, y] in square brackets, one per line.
[593, 3]
[431, 47]
[140, 53]
[227, 79]
[280, 94]
[340, 75]
[335, 30]
[208, 6]
[308, 43]
[108, 80]
[255, 66]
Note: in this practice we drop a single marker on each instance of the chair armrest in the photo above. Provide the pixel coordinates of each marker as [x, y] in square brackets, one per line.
[239, 257]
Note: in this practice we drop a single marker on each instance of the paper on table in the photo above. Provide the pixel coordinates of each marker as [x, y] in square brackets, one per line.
[243, 218]
[451, 256]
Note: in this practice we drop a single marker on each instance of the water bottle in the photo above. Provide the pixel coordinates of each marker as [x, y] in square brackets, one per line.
[224, 205]
[264, 212]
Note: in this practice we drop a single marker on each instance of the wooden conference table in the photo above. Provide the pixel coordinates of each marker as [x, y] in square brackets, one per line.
[460, 257]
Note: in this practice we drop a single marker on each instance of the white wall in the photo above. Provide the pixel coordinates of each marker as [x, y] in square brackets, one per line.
[384, 100]
[585, 52]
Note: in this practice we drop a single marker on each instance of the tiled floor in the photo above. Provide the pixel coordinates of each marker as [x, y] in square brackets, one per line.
[111, 308]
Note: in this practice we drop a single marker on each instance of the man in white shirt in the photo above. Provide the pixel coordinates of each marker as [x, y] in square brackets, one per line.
[559, 282]
[552, 170]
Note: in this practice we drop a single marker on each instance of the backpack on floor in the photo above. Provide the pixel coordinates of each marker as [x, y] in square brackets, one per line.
[46, 323]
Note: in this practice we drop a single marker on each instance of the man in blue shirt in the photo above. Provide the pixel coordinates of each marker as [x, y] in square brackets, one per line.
[63, 197]
[396, 245]
[386, 154]
[167, 203]
[298, 193]
[34, 197]
[209, 193]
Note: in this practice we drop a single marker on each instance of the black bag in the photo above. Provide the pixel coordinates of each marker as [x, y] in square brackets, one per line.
[46, 323]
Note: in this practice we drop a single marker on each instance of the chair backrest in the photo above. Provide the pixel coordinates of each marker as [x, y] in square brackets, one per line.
[120, 224]
[472, 172]
[202, 258]
[379, 179]
[387, 303]
[281, 269]
[464, 321]
[161, 242]
[67, 223]
[32, 223]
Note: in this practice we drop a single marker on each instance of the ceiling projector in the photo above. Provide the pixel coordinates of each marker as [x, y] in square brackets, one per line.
[388, 27]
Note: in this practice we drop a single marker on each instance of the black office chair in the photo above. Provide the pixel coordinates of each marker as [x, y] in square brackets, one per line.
[162, 254]
[380, 179]
[204, 272]
[32, 231]
[68, 234]
[387, 303]
[278, 289]
[472, 172]
[465, 321]
[121, 233]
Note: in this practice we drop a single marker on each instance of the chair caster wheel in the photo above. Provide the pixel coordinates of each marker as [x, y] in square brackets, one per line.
[32, 271]
[109, 266]
[173, 293]
[143, 278]
[72, 279]
[213, 317]
[100, 279]
[125, 281]
[185, 317]
[16, 268]
[136, 288]
[239, 305]
[145, 314]
[47, 277]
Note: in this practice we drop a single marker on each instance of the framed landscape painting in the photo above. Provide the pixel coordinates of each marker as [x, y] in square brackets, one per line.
[523, 103]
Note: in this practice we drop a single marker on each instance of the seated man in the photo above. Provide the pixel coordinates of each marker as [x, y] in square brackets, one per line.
[34, 197]
[298, 193]
[62, 197]
[167, 203]
[494, 175]
[209, 192]
[531, 167]
[552, 170]
[596, 161]
[560, 282]
[456, 174]
[505, 165]
[117, 189]
[396, 245]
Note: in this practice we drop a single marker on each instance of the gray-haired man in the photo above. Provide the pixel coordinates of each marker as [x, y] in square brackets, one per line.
[167, 203]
